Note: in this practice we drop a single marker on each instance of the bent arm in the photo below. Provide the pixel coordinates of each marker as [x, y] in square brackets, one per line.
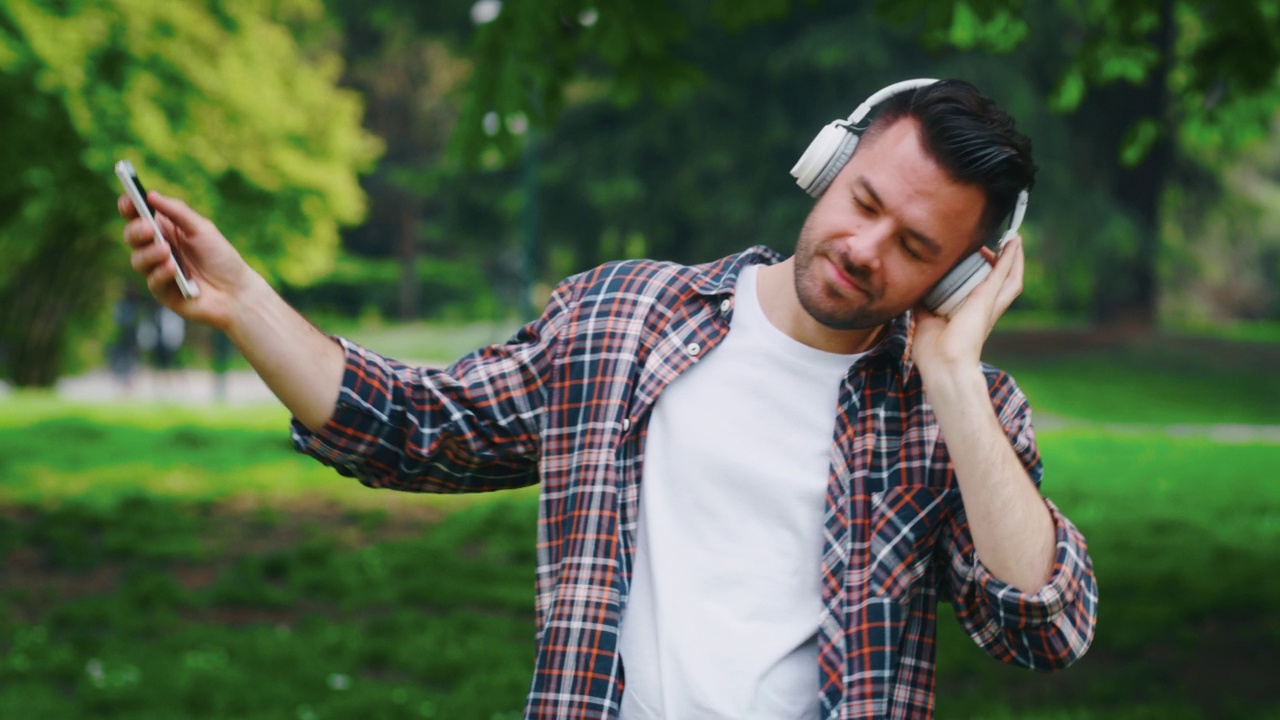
[1047, 622]
[1043, 630]
[300, 364]
[1013, 532]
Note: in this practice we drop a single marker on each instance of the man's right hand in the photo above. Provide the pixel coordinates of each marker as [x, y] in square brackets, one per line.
[301, 365]
[207, 257]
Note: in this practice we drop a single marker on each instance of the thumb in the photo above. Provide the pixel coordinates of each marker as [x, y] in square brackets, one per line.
[184, 218]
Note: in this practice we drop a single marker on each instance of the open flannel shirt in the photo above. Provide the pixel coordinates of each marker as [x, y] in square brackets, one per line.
[566, 403]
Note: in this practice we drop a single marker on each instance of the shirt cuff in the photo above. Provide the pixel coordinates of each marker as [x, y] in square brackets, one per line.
[1017, 609]
[359, 418]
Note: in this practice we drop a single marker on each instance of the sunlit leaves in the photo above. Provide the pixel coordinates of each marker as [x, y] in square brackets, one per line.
[1069, 91]
[994, 25]
[1138, 141]
[214, 101]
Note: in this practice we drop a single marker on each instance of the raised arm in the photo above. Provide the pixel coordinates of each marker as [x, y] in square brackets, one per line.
[1018, 572]
[300, 364]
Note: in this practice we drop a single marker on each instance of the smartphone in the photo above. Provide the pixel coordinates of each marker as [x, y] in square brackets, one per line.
[133, 188]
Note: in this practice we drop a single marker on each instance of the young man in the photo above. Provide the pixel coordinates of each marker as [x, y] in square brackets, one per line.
[759, 476]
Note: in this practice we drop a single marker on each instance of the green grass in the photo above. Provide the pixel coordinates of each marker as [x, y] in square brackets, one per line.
[51, 450]
[1185, 537]
[168, 561]
[1158, 380]
[1102, 391]
[209, 623]
[423, 341]
[143, 602]
[1257, 331]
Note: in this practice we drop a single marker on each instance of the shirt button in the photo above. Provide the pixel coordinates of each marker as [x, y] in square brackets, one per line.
[626, 424]
[694, 348]
[725, 305]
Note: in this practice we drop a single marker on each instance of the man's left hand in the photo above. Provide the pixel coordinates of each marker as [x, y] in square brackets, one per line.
[943, 344]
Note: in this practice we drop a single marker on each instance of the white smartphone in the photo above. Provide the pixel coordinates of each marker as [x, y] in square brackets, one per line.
[133, 188]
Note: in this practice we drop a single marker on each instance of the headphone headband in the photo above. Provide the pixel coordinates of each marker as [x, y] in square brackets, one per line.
[885, 93]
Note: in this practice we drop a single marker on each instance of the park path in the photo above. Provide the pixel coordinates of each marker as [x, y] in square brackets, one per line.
[183, 387]
[1219, 432]
[244, 387]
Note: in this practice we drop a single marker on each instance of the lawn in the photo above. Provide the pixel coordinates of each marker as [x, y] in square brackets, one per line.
[167, 562]
[1157, 379]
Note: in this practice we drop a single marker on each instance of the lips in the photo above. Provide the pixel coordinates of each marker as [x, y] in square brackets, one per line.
[846, 282]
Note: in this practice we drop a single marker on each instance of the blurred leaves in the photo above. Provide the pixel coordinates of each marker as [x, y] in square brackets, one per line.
[664, 126]
[216, 102]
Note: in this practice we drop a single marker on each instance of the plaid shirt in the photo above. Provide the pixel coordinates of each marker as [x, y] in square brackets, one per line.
[566, 403]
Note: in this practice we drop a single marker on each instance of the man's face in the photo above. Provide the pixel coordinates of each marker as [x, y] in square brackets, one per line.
[889, 227]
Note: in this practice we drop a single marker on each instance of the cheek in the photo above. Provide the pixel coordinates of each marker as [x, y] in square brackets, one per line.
[906, 283]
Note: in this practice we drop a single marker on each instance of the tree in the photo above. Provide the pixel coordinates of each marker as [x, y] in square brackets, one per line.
[1175, 80]
[217, 102]
[402, 58]
[1162, 76]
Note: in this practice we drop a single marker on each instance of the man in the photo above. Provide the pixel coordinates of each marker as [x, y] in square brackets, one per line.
[759, 476]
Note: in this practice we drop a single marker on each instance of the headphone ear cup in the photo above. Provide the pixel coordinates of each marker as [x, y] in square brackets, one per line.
[956, 285]
[824, 158]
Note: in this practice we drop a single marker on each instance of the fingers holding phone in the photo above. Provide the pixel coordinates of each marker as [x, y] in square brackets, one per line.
[138, 197]
[188, 264]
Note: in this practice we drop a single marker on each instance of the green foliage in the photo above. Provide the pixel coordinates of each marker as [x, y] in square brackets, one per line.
[450, 289]
[992, 25]
[215, 102]
[1222, 235]
[529, 57]
[1147, 84]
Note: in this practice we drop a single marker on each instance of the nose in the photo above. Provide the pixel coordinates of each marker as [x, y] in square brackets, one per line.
[864, 246]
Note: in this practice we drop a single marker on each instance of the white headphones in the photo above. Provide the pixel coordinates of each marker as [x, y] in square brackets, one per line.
[831, 150]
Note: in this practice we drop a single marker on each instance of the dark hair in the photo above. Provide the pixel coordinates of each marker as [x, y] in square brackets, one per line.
[972, 139]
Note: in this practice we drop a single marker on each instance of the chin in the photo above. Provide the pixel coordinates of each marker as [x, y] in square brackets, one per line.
[845, 318]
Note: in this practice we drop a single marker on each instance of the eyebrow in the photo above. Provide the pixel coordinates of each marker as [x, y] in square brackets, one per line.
[930, 244]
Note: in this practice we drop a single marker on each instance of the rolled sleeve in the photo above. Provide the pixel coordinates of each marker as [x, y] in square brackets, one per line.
[472, 427]
[361, 418]
[1047, 629]
[1069, 584]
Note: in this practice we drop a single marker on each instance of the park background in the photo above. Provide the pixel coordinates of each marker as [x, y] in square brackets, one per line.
[416, 176]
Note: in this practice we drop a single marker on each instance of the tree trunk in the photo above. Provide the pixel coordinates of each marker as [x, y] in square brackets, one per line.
[61, 285]
[409, 298]
[1128, 289]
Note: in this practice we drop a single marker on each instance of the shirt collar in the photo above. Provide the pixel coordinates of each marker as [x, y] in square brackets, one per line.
[721, 278]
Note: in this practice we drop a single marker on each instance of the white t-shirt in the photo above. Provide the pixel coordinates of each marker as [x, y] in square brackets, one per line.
[725, 597]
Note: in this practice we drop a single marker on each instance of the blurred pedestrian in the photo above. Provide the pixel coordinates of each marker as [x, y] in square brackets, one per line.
[170, 332]
[123, 352]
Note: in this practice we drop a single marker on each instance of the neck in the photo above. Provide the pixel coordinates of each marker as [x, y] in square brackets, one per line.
[776, 287]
